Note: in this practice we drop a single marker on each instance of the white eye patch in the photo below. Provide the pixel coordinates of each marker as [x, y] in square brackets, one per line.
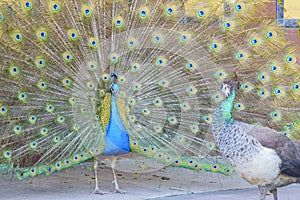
[226, 89]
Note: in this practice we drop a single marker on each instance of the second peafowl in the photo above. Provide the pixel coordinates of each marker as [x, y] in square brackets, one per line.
[262, 156]
[79, 79]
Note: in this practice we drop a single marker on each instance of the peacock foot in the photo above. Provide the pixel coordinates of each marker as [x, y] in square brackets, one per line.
[97, 191]
[118, 190]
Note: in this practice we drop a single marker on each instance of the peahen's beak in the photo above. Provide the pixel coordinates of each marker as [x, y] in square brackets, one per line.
[221, 86]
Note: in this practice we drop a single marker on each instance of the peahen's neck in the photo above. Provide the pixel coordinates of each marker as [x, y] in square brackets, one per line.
[225, 108]
[223, 114]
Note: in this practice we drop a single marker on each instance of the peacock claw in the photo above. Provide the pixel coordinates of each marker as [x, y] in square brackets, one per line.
[97, 191]
[116, 190]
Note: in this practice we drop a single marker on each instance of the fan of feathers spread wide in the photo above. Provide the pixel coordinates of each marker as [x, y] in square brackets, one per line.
[58, 95]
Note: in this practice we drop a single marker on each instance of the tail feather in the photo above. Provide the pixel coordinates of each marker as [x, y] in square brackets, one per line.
[170, 56]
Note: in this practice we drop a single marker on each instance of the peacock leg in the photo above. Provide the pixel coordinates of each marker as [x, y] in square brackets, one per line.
[274, 192]
[96, 191]
[113, 164]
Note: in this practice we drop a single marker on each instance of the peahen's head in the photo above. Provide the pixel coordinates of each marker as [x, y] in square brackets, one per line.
[227, 87]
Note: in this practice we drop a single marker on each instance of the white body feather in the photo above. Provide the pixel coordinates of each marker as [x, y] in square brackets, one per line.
[262, 169]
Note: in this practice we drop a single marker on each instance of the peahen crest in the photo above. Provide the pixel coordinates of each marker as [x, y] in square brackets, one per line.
[169, 59]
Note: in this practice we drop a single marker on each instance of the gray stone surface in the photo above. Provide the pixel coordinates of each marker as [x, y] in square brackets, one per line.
[141, 178]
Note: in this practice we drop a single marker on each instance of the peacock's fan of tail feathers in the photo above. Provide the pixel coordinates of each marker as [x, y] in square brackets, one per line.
[170, 57]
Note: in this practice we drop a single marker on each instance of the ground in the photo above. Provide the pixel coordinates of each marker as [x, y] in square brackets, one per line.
[141, 178]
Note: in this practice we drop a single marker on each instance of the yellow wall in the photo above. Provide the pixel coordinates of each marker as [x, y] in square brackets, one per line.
[292, 8]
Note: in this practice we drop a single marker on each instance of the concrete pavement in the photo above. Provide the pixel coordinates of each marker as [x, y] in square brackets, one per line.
[140, 179]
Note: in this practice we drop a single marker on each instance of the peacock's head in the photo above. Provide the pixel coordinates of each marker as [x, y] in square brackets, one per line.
[114, 88]
[227, 87]
[114, 77]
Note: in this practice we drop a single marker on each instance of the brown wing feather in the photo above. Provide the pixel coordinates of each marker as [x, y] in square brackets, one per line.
[287, 150]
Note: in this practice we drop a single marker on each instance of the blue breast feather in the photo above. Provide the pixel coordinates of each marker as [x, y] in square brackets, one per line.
[117, 138]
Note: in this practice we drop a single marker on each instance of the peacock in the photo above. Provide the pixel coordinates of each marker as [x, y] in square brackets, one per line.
[262, 156]
[84, 78]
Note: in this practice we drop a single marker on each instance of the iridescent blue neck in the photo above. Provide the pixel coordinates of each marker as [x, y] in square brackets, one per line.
[117, 138]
